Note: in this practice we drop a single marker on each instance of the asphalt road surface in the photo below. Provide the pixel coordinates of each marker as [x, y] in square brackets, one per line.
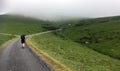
[15, 58]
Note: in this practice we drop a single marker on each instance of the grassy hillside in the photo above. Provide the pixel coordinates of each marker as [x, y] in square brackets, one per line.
[101, 34]
[19, 25]
[74, 55]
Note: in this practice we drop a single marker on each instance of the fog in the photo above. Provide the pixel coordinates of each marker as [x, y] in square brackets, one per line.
[54, 9]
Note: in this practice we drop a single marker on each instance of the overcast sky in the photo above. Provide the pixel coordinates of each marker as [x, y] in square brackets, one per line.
[51, 9]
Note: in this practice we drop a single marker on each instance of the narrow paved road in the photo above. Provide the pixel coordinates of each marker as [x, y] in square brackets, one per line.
[15, 58]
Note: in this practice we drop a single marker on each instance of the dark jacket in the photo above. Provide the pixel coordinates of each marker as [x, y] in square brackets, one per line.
[22, 38]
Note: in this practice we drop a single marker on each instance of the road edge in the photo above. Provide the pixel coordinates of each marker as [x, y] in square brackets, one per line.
[57, 66]
[7, 42]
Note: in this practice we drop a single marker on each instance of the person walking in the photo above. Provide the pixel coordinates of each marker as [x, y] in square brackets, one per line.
[23, 40]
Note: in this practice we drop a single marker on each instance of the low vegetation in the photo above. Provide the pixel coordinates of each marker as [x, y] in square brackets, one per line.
[74, 55]
[101, 34]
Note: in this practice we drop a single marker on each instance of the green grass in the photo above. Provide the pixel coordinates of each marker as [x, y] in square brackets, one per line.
[4, 38]
[101, 34]
[74, 55]
[21, 25]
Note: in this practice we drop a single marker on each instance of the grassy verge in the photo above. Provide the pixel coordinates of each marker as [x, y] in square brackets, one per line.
[4, 38]
[73, 55]
[57, 66]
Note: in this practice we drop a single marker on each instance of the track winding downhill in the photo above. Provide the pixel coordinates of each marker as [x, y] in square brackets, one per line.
[15, 58]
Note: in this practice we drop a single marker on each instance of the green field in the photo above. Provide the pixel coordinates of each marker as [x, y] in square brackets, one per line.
[101, 34]
[74, 55]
